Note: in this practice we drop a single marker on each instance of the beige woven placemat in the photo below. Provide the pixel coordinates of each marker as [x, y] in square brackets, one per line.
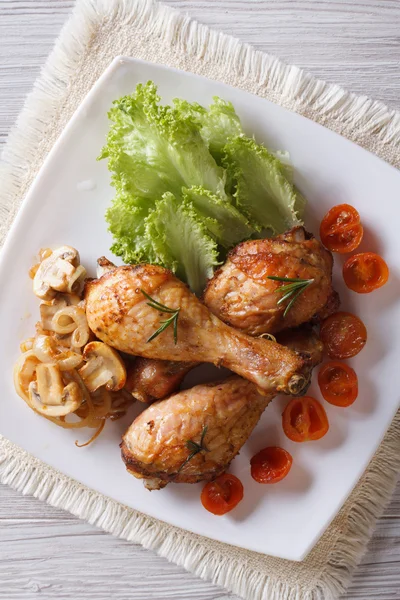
[96, 33]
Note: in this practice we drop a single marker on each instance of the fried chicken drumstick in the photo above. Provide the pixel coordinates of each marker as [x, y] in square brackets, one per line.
[150, 380]
[155, 446]
[120, 314]
[217, 417]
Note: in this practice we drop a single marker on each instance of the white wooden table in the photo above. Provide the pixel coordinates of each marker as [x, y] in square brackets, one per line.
[47, 553]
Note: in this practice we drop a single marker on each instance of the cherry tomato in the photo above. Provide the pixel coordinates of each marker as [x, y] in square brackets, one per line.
[270, 465]
[304, 419]
[338, 383]
[341, 230]
[343, 335]
[222, 495]
[365, 272]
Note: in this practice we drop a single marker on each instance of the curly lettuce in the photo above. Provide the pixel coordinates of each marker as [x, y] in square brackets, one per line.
[190, 185]
[216, 124]
[262, 191]
[153, 149]
[222, 219]
[182, 242]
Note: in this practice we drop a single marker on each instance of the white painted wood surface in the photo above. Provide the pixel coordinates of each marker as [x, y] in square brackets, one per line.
[47, 553]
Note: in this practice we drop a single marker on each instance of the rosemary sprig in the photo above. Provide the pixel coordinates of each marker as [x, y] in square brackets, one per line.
[172, 320]
[291, 291]
[195, 448]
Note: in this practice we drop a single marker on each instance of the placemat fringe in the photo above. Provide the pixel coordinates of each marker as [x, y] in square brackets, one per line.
[29, 132]
[368, 122]
[29, 476]
[377, 487]
[291, 86]
[32, 477]
[291, 83]
[288, 81]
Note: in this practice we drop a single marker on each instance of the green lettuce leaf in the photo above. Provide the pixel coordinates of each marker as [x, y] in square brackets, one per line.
[181, 241]
[126, 220]
[189, 184]
[152, 149]
[262, 191]
[216, 125]
[224, 221]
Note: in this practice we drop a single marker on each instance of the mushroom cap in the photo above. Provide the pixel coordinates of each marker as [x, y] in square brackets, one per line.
[60, 271]
[104, 366]
[49, 396]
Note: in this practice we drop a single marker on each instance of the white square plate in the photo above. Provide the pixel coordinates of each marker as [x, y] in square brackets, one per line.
[66, 205]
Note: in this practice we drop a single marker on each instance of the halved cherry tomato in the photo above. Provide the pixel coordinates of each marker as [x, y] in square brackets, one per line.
[270, 465]
[341, 230]
[365, 272]
[338, 383]
[343, 335]
[304, 419]
[222, 495]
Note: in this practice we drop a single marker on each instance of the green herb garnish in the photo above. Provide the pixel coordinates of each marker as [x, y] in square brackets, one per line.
[173, 319]
[195, 448]
[291, 291]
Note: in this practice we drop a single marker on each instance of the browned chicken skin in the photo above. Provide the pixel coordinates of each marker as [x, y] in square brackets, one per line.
[119, 315]
[241, 294]
[150, 379]
[303, 339]
[154, 447]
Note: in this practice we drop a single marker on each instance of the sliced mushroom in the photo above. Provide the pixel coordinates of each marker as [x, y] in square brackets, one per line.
[24, 373]
[47, 351]
[58, 272]
[49, 396]
[48, 310]
[104, 366]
